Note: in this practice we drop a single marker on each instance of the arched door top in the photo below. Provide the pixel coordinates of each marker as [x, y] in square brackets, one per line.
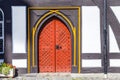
[50, 15]
[54, 47]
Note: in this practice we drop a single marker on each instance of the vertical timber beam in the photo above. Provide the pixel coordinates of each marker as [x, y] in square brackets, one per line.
[105, 57]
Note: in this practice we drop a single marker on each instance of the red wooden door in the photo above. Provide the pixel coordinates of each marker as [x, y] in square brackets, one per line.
[47, 48]
[63, 54]
[55, 48]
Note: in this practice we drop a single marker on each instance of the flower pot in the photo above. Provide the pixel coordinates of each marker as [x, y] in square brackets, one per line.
[11, 73]
[6, 72]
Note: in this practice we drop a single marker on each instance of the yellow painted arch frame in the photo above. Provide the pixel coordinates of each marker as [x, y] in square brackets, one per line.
[67, 20]
[72, 28]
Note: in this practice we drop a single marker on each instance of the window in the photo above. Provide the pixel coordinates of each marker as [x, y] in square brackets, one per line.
[1, 35]
[1, 32]
[1, 15]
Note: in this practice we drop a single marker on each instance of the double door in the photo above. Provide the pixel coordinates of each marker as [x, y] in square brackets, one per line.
[54, 47]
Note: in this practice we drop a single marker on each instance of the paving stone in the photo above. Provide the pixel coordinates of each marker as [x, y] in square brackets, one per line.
[64, 76]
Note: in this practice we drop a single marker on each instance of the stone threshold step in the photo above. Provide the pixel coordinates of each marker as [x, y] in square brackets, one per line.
[66, 76]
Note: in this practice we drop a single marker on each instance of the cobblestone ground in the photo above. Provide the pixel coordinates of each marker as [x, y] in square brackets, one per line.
[64, 76]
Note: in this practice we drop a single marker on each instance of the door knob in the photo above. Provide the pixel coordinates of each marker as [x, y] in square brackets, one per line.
[58, 47]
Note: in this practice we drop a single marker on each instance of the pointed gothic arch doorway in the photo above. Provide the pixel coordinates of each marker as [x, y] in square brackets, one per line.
[54, 47]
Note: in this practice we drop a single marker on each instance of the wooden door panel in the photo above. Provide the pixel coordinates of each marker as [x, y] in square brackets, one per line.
[63, 53]
[47, 48]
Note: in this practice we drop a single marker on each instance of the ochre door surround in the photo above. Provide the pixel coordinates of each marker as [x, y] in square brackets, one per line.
[62, 14]
[55, 48]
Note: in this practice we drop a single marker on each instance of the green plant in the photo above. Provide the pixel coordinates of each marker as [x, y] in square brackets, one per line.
[5, 68]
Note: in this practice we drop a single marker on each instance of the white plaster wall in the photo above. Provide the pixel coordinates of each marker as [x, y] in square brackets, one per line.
[116, 10]
[91, 63]
[113, 46]
[114, 62]
[91, 42]
[19, 29]
[113, 43]
[20, 63]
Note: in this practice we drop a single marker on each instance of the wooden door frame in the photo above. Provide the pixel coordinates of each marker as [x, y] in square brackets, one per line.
[53, 11]
[41, 25]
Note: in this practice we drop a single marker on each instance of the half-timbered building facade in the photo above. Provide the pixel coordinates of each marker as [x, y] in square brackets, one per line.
[77, 36]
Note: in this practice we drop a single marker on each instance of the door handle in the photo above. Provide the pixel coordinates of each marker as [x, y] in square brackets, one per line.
[58, 47]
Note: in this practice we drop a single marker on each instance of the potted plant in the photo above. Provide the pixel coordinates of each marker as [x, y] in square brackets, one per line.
[7, 70]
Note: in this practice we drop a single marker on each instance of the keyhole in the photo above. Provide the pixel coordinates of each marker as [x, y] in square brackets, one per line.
[57, 47]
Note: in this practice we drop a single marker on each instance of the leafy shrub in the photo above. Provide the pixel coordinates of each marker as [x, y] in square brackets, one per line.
[5, 68]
